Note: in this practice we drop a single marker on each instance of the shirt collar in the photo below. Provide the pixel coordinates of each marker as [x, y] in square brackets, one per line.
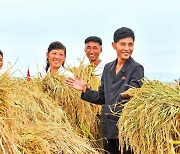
[60, 70]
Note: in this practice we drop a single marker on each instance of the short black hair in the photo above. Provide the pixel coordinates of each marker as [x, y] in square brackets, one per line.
[93, 39]
[123, 32]
[1, 53]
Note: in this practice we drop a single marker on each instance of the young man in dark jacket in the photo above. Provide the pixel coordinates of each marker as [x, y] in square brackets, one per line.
[118, 76]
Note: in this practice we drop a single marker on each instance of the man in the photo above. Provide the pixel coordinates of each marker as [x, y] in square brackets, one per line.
[117, 77]
[1, 59]
[93, 48]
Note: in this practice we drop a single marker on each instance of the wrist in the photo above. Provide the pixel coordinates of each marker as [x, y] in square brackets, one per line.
[84, 89]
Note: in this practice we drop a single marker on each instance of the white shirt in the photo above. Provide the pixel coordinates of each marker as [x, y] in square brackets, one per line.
[61, 71]
[4, 68]
[99, 69]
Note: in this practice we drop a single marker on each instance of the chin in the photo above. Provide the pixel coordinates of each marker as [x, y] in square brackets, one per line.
[125, 58]
[92, 59]
[57, 65]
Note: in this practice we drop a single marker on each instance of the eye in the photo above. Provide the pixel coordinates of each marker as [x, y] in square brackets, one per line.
[54, 53]
[131, 44]
[122, 44]
[94, 48]
[88, 48]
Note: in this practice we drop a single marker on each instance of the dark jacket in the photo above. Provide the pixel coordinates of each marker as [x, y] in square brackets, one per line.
[109, 91]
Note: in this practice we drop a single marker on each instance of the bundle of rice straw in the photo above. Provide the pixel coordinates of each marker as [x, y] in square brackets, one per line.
[82, 115]
[149, 122]
[32, 122]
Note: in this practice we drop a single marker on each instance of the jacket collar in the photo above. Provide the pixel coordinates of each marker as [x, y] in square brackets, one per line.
[123, 69]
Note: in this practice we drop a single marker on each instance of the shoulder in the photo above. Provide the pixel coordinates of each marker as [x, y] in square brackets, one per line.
[65, 72]
[5, 68]
[134, 63]
[110, 64]
[42, 72]
[101, 64]
[136, 67]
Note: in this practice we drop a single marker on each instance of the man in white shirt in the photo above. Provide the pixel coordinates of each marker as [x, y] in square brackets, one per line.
[93, 48]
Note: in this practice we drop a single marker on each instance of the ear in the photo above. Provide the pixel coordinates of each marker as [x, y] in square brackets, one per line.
[114, 45]
[85, 46]
[101, 49]
[47, 55]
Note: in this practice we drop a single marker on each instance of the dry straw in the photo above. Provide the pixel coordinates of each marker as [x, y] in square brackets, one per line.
[149, 121]
[81, 114]
[32, 122]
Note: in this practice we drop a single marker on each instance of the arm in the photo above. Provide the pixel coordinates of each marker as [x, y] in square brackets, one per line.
[96, 97]
[136, 80]
[136, 77]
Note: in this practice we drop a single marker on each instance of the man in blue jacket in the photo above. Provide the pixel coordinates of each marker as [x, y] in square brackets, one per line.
[118, 76]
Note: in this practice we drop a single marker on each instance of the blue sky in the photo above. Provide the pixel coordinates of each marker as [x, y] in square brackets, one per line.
[29, 26]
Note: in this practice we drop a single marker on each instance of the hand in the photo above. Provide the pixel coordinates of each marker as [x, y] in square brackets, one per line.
[76, 84]
[124, 95]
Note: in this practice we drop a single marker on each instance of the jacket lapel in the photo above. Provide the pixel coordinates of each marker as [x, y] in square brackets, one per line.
[121, 73]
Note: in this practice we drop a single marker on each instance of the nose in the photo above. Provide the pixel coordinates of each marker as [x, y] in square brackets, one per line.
[126, 47]
[57, 56]
[91, 50]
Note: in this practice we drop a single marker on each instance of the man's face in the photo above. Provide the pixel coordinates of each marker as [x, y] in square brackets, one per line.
[93, 50]
[124, 48]
[1, 61]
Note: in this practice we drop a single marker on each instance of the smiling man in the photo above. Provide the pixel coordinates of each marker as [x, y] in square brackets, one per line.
[118, 76]
[93, 49]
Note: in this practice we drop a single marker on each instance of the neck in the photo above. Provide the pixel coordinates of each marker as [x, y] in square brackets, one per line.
[119, 65]
[95, 63]
[120, 61]
[53, 70]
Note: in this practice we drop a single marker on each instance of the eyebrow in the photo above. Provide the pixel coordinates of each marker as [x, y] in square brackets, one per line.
[91, 46]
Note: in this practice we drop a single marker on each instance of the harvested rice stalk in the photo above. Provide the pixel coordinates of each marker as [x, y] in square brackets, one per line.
[7, 142]
[32, 122]
[81, 114]
[149, 121]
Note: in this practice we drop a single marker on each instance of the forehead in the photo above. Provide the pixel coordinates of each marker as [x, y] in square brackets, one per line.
[126, 40]
[1, 57]
[91, 43]
[57, 50]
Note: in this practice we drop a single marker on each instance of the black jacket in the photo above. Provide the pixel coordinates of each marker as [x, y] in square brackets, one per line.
[109, 91]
